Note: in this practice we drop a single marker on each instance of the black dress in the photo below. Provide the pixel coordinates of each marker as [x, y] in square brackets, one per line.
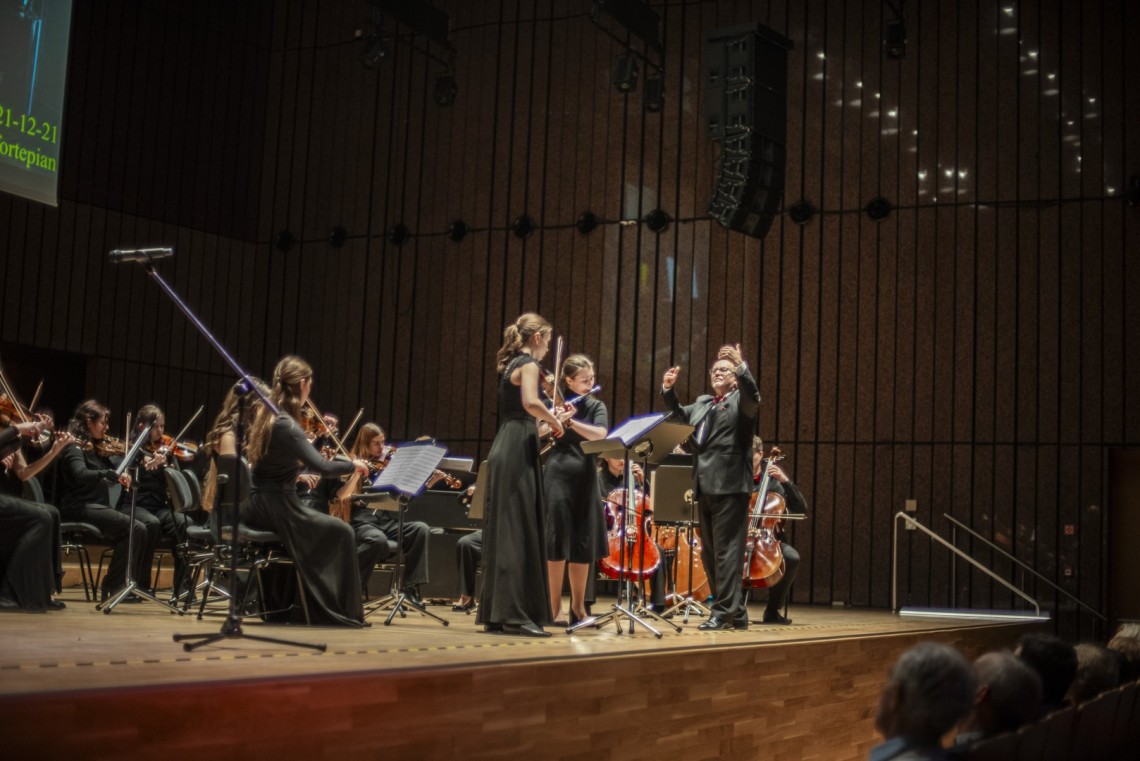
[322, 546]
[514, 548]
[575, 525]
[28, 536]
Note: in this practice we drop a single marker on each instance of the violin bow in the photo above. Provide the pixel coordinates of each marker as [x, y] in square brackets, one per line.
[320, 417]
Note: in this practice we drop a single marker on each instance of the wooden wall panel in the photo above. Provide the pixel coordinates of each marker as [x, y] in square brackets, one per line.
[971, 351]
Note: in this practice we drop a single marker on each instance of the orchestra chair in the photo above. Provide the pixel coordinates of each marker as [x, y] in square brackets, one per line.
[387, 565]
[193, 547]
[74, 537]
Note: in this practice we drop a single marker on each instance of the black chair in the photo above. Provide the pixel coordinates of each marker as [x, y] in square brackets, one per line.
[75, 537]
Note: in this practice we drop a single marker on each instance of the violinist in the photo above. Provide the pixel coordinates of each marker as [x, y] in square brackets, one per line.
[86, 475]
[221, 449]
[575, 529]
[797, 505]
[323, 547]
[375, 528]
[314, 491]
[152, 497]
[30, 568]
[516, 594]
[722, 477]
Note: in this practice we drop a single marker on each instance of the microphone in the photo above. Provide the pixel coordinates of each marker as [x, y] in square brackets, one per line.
[123, 255]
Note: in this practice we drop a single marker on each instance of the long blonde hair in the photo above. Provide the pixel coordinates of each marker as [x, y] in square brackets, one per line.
[516, 335]
[364, 437]
[226, 423]
[285, 393]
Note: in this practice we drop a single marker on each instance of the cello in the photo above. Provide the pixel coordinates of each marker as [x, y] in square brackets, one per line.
[632, 552]
[763, 559]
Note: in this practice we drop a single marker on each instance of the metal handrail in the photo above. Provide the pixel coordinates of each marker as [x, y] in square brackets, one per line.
[952, 548]
[1024, 566]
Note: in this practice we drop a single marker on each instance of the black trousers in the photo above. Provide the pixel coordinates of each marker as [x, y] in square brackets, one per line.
[468, 552]
[778, 594]
[115, 527]
[373, 529]
[724, 530]
[27, 539]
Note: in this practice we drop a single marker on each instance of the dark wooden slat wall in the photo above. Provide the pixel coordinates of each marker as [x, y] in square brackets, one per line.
[972, 351]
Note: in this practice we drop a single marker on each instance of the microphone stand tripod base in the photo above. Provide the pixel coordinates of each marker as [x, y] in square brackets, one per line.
[688, 605]
[645, 612]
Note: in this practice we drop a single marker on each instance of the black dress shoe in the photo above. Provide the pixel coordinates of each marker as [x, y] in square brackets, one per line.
[413, 595]
[56, 605]
[740, 624]
[716, 624]
[771, 617]
[525, 630]
[492, 628]
[466, 607]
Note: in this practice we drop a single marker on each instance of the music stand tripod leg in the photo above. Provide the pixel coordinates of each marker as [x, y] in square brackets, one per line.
[399, 598]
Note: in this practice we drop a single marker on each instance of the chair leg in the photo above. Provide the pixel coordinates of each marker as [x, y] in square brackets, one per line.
[301, 591]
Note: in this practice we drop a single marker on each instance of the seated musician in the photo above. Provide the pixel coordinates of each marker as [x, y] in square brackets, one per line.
[611, 475]
[374, 528]
[30, 568]
[86, 471]
[153, 507]
[797, 505]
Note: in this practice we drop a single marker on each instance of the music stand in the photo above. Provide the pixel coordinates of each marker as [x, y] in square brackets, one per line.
[672, 497]
[131, 588]
[402, 479]
[650, 439]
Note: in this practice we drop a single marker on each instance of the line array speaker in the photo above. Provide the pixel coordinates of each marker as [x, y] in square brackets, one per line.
[746, 104]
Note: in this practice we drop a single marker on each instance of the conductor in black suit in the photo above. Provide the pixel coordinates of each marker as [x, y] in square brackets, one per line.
[722, 481]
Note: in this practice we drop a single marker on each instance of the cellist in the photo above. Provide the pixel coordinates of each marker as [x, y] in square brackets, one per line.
[779, 483]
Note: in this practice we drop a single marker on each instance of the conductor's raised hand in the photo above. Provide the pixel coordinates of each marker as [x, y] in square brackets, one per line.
[732, 354]
[670, 377]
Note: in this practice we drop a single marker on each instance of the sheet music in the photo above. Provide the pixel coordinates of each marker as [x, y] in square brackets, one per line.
[409, 470]
[636, 427]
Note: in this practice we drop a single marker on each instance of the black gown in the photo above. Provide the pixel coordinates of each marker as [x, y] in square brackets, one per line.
[515, 589]
[322, 546]
[29, 534]
[575, 524]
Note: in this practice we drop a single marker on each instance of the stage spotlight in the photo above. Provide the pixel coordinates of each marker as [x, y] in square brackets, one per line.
[523, 227]
[445, 90]
[337, 236]
[458, 230]
[895, 42]
[625, 73]
[658, 221]
[587, 222]
[802, 212]
[879, 209]
[654, 94]
[399, 234]
[284, 241]
[373, 52]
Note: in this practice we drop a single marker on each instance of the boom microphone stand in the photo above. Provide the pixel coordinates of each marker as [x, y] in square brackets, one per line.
[231, 627]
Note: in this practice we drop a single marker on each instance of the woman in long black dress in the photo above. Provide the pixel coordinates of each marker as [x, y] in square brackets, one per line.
[516, 598]
[574, 525]
[322, 546]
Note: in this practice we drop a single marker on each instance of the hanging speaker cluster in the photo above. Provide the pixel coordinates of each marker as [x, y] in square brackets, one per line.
[746, 103]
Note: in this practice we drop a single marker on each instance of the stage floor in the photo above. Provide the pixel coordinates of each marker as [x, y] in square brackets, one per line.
[82, 649]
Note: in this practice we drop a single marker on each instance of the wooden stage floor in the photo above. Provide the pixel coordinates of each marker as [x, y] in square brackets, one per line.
[809, 688]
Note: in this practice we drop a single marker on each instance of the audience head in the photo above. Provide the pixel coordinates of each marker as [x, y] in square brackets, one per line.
[929, 689]
[1008, 696]
[1126, 644]
[1097, 671]
[1054, 660]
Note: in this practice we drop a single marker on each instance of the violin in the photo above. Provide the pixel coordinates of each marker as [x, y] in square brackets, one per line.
[378, 464]
[632, 552]
[11, 410]
[108, 446]
[763, 559]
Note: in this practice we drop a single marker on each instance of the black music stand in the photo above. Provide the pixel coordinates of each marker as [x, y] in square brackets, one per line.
[402, 479]
[650, 439]
[673, 502]
[131, 588]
